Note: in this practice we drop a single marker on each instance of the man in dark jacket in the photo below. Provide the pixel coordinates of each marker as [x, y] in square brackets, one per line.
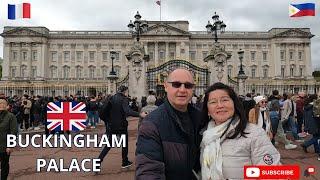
[118, 123]
[8, 125]
[168, 141]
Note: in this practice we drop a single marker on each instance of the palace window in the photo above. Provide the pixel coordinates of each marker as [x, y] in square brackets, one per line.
[253, 72]
[282, 55]
[24, 55]
[34, 71]
[105, 56]
[79, 72]
[34, 55]
[265, 72]
[301, 71]
[264, 56]
[66, 55]
[291, 71]
[91, 55]
[66, 72]
[291, 55]
[14, 55]
[13, 71]
[253, 55]
[282, 71]
[23, 71]
[171, 55]
[54, 56]
[91, 72]
[161, 55]
[300, 54]
[192, 55]
[79, 55]
[53, 72]
[104, 72]
[117, 56]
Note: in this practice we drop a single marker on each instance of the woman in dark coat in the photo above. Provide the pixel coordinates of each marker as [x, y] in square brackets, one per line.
[312, 126]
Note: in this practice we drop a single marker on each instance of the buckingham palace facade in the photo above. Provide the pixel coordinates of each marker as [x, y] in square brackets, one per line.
[38, 61]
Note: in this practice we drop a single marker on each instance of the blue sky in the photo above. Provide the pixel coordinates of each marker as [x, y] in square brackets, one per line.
[244, 15]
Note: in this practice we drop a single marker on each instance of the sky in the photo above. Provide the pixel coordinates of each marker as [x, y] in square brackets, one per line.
[114, 15]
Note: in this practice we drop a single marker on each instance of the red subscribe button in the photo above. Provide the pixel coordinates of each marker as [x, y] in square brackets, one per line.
[272, 172]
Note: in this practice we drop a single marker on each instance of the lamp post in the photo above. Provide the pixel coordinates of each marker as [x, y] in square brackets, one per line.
[240, 53]
[112, 55]
[138, 26]
[217, 26]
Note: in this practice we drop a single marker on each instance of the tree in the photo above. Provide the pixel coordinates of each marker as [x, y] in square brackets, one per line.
[316, 73]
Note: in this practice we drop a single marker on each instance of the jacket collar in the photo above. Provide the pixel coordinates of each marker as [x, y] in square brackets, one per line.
[171, 112]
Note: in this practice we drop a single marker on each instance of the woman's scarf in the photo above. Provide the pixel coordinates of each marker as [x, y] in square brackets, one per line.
[211, 154]
[265, 121]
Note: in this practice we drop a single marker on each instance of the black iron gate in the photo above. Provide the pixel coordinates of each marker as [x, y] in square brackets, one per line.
[156, 76]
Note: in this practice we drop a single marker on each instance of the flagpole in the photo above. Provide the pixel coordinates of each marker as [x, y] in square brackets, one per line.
[160, 10]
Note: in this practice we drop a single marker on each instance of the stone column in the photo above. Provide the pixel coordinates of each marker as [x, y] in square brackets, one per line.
[112, 84]
[217, 60]
[156, 54]
[167, 51]
[307, 60]
[6, 62]
[43, 61]
[29, 67]
[178, 50]
[137, 70]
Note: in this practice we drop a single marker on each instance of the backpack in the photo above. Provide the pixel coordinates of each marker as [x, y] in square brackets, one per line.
[104, 110]
[274, 105]
[316, 108]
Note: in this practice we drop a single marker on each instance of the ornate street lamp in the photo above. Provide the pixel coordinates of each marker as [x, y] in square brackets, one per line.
[138, 26]
[112, 55]
[217, 26]
[240, 53]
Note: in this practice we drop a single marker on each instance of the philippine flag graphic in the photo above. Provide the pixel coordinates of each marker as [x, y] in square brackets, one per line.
[299, 10]
[16, 11]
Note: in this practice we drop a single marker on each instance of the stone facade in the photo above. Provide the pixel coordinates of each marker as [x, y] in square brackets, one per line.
[44, 62]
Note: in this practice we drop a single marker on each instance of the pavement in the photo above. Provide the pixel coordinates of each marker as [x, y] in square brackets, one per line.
[23, 160]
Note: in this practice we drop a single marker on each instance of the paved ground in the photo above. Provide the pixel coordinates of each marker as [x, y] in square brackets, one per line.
[23, 161]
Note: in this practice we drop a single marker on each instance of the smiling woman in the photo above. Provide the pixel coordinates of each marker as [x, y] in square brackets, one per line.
[229, 142]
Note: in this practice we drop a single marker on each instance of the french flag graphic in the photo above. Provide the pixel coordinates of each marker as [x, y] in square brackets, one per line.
[16, 11]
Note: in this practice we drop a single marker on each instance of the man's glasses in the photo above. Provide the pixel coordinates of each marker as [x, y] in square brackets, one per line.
[177, 84]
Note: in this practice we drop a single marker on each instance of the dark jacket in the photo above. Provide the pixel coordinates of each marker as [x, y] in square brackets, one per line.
[164, 148]
[92, 106]
[8, 125]
[119, 112]
[312, 124]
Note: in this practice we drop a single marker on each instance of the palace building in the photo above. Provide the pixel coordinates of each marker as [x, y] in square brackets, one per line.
[38, 61]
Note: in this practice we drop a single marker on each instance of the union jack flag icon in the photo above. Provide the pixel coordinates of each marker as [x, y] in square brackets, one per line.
[66, 116]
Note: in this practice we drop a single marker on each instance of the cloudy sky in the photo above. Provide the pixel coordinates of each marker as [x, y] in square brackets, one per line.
[244, 15]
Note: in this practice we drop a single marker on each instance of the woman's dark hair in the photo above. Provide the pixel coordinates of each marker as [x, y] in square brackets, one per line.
[238, 109]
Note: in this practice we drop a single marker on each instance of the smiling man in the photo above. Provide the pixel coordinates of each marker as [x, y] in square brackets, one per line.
[167, 140]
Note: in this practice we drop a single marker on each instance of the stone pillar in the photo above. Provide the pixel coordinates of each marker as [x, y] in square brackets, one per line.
[178, 50]
[167, 51]
[137, 70]
[112, 85]
[217, 60]
[29, 67]
[156, 54]
[242, 84]
[6, 62]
